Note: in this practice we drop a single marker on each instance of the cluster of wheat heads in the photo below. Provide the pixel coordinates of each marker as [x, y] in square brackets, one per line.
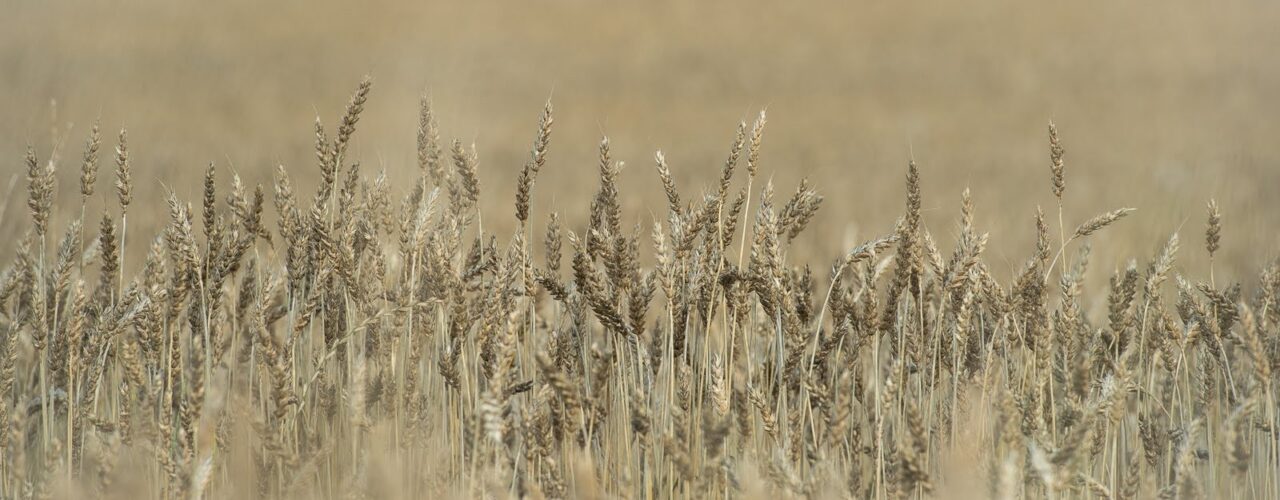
[382, 344]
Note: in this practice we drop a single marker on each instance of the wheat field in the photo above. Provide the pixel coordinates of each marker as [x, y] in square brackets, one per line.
[377, 341]
[725, 249]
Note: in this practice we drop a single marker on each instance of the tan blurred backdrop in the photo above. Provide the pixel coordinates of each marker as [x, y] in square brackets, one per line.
[1161, 105]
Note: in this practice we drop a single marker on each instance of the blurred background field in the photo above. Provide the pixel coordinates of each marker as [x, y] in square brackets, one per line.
[1161, 105]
